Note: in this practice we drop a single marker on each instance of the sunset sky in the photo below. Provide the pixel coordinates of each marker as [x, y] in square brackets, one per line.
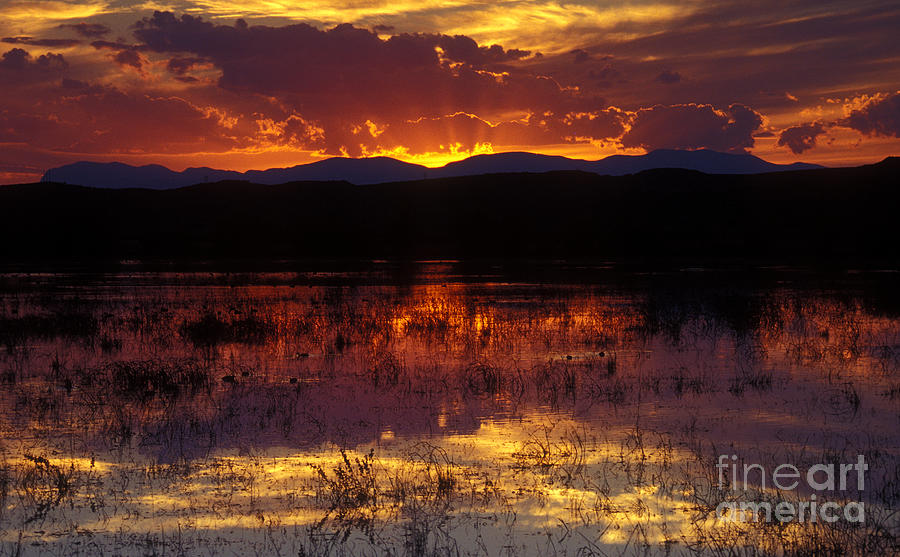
[243, 84]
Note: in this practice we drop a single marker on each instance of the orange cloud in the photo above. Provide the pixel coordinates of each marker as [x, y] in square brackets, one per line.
[432, 81]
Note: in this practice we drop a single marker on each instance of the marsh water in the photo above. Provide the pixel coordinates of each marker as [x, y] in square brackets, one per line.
[436, 409]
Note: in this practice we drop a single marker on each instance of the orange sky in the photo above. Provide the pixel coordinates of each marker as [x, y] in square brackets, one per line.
[243, 84]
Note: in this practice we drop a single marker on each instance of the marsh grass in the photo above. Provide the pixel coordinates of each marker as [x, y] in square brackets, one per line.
[611, 406]
[6, 480]
[146, 379]
[435, 475]
[352, 485]
[546, 453]
[16, 331]
[43, 486]
[755, 380]
[212, 328]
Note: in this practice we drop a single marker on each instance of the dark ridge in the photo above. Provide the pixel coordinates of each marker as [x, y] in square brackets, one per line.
[825, 215]
[383, 169]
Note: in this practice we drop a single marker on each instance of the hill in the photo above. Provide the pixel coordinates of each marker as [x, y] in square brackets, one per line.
[812, 215]
[383, 169]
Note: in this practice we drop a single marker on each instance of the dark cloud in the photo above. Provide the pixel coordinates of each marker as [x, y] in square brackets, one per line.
[21, 61]
[59, 43]
[131, 58]
[668, 77]
[85, 118]
[801, 138]
[581, 56]
[124, 120]
[603, 124]
[423, 92]
[68, 83]
[878, 117]
[181, 66]
[115, 45]
[88, 30]
[460, 48]
[733, 54]
[605, 76]
[164, 32]
[346, 90]
[437, 134]
[693, 126]
[342, 77]
[126, 55]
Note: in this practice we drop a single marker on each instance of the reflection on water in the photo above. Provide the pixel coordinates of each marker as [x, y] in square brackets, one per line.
[444, 413]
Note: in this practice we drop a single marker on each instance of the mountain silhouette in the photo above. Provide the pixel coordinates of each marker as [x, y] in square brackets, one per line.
[378, 170]
[818, 217]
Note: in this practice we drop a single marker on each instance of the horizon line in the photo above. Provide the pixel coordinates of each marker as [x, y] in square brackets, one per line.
[470, 156]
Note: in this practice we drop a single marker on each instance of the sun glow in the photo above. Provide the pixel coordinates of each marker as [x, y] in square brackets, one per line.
[449, 153]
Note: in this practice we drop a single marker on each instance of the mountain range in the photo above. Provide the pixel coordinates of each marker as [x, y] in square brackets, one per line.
[377, 170]
[819, 217]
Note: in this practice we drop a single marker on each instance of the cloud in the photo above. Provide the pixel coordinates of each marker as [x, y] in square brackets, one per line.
[581, 56]
[731, 53]
[605, 76]
[19, 65]
[345, 90]
[85, 118]
[693, 126]
[801, 138]
[341, 77]
[668, 77]
[88, 30]
[426, 135]
[164, 32]
[181, 66]
[881, 116]
[126, 55]
[59, 43]
[374, 86]
[116, 45]
[130, 58]
[876, 115]
[68, 83]
[460, 48]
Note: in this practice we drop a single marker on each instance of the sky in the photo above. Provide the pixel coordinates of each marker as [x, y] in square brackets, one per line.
[254, 84]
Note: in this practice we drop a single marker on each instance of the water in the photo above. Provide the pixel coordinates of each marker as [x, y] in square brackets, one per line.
[436, 409]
